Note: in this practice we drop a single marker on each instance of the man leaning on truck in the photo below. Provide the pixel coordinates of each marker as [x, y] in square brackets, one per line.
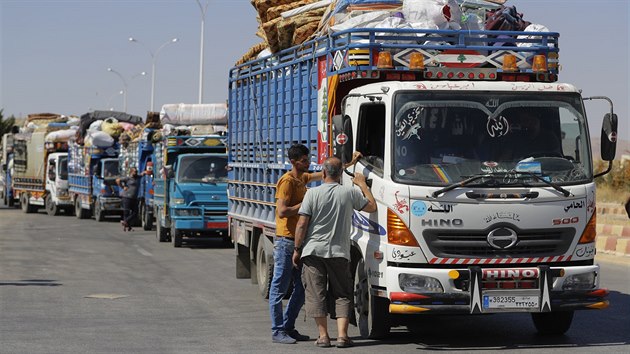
[290, 191]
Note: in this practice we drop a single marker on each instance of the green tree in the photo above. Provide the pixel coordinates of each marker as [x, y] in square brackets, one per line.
[6, 125]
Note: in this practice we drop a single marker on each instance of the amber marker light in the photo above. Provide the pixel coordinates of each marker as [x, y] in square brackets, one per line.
[397, 231]
[509, 63]
[590, 231]
[539, 64]
[385, 60]
[416, 61]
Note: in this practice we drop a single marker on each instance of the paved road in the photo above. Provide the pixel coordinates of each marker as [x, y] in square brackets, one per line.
[78, 286]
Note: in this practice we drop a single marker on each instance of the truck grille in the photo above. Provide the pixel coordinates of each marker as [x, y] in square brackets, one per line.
[214, 208]
[473, 243]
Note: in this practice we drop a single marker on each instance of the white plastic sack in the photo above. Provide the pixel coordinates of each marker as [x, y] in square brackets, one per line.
[365, 20]
[194, 114]
[99, 139]
[95, 126]
[527, 63]
[430, 14]
[60, 135]
[306, 8]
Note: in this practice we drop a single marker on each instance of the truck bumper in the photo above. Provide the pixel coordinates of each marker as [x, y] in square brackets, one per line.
[111, 204]
[478, 290]
[199, 227]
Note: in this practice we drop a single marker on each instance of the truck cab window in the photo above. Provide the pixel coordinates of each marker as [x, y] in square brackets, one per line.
[371, 135]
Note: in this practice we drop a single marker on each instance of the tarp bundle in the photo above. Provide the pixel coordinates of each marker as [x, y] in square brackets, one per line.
[194, 114]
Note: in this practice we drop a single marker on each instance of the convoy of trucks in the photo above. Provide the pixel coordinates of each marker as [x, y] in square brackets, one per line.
[479, 160]
[475, 213]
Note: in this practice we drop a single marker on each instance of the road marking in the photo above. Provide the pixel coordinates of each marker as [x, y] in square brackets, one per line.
[143, 252]
[106, 296]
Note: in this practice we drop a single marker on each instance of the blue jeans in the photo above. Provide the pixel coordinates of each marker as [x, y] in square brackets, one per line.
[283, 273]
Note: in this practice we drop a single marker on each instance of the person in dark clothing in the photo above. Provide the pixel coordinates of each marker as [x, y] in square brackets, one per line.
[129, 196]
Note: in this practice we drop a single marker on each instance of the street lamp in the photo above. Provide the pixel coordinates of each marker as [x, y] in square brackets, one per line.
[203, 19]
[125, 85]
[153, 60]
[111, 97]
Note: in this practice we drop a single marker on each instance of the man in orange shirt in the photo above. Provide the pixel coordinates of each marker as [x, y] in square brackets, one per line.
[290, 191]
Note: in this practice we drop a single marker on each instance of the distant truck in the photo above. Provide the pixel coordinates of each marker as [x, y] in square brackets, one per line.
[93, 170]
[190, 177]
[40, 176]
[476, 213]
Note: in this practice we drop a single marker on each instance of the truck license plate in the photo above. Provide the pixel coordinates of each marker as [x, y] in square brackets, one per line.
[510, 302]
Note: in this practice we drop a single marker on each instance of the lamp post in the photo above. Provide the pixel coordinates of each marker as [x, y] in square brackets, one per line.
[153, 61]
[125, 84]
[203, 19]
[111, 97]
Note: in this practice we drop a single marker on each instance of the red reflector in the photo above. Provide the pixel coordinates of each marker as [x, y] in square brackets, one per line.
[599, 292]
[482, 75]
[460, 75]
[440, 74]
[471, 75]
[151, 191]
[374, 73]
[522, 78]
[527, 285]
[490, 285]
[450, 75]
[492, 75]
[508, 285]
[363, 74]
[406, 297]
[392, 76]
[354, 74]
[216, 225]
[428, 74]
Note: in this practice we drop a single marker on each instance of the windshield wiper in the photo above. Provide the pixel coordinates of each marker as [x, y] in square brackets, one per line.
[467, 181]
[565, 192]
[461, 184]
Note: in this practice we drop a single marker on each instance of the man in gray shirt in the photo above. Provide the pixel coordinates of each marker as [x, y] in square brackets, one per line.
[322, 243]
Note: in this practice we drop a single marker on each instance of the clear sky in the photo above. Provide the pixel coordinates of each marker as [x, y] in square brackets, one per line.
[54, 54]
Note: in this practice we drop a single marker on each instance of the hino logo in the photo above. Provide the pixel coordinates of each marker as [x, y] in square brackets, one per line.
[502, 238]
[442, 222]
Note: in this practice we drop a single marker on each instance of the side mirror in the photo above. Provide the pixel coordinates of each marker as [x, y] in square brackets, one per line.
[4, 167]
[52, 176]
[609, 137]
[342, 133]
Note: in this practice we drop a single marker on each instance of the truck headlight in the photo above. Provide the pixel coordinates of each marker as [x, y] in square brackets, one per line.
[186, 212]
[419, 284]
[585, 281]
[178, 200]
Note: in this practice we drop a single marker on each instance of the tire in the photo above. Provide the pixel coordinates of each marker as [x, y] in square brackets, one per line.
[79, 212]
[51, 208]
[99, 214]
[161, 232]
[176, 237]
[264, 268]
[552, 323]
[26, 205]
[372, 312]
[146, 218]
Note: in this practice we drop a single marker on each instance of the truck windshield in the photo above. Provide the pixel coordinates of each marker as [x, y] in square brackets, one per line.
[442, 138]
[110, 168]
[63, 168]
[202, 168]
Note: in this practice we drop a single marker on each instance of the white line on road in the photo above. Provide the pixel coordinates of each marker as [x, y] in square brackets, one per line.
[143, 252]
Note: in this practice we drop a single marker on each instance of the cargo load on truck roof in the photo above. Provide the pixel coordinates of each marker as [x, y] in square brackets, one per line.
[194, 114]
[443, 33]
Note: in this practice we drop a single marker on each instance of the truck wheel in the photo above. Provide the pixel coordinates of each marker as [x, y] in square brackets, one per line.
[146, 218]
[160, 231]
[79, 212]
[99, 214]
[264, 268]
[26, 205]
[51, 208]
[176, 237]
[552, 323]
[372, 311]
